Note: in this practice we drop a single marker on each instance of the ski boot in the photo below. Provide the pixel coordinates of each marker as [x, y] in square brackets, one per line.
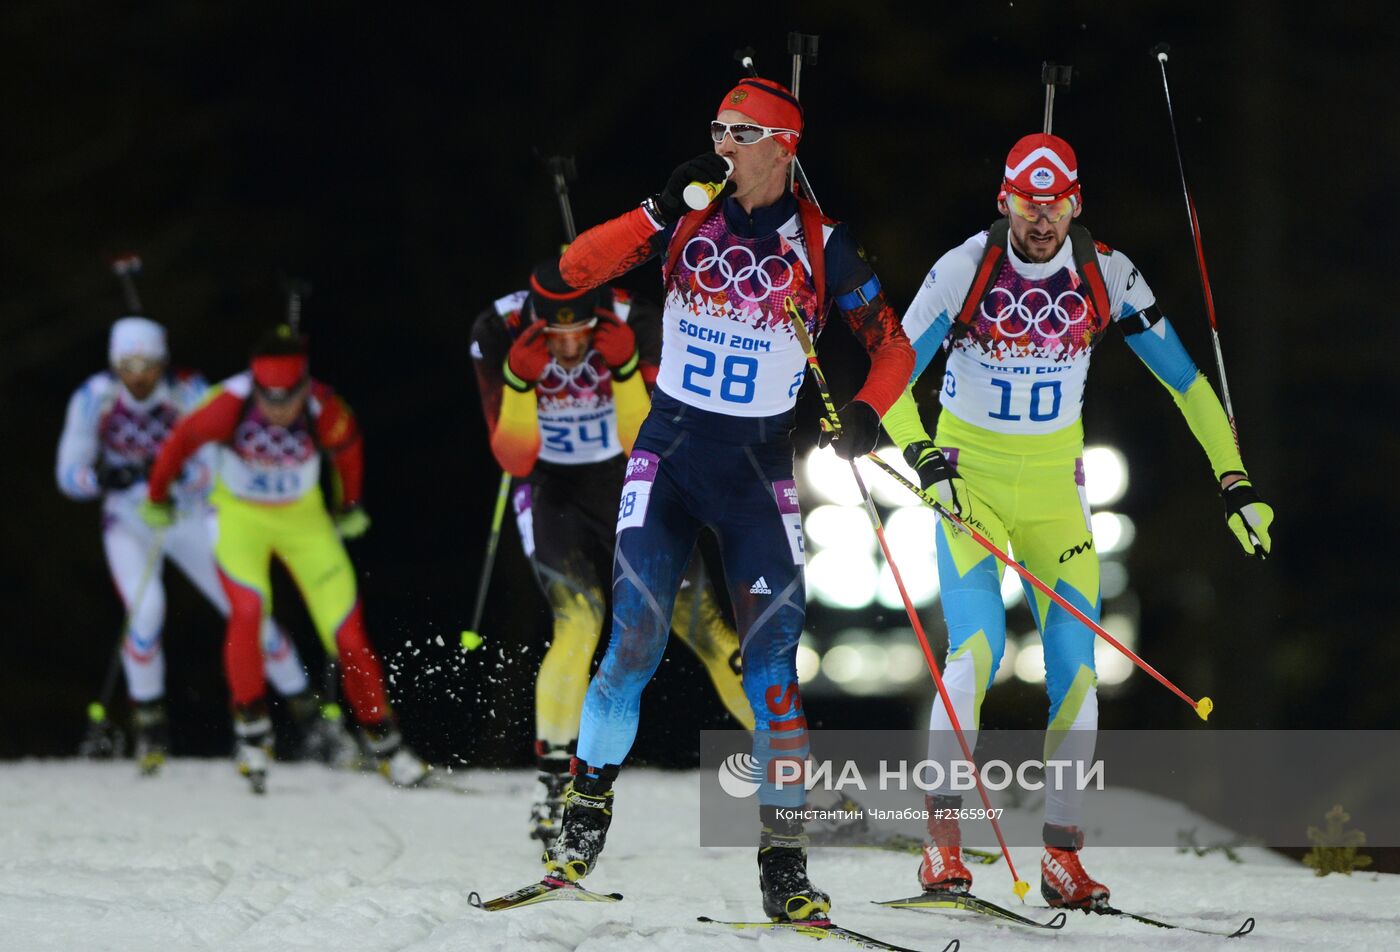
[788, 895]
[836, 829]
[397, 763]
[588, 810]
[547, 813]
[942, 871]
[152, 736]
[322, 734]
[1063, 881]
[253, 729]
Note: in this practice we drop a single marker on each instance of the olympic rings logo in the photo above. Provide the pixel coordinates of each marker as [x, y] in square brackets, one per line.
[750, 269]
[1035, 310]
[271, 442]
[582, 376]
[125, 433]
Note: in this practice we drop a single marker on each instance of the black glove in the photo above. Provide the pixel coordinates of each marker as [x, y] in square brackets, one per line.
[860, 430]
[938, 475]
[669, 205]
[121, 476]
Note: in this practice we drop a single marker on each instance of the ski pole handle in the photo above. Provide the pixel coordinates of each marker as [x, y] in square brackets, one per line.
[126, 267]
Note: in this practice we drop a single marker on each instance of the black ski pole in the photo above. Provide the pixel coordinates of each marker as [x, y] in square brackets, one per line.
[102, 739]
[1053, 75]
[562, 171]
[298, 290]
[1159, 52]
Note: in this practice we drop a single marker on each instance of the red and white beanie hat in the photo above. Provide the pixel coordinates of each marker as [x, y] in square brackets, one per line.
[1041, 167]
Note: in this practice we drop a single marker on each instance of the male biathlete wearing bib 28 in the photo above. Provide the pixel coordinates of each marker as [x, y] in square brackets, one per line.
[564, 382]
[716, 451]
[272, 424]
[1019, 308]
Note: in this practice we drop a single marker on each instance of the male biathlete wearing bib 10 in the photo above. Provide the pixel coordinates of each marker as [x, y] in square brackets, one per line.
[563, 382]
[272, 424]
[1019, 309]
[716, 451]
[116, 422]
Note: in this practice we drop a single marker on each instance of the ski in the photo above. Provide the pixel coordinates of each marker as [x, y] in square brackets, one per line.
[822, 929]
[973, 904]
[896, 843]
[1245, 927]
[546, 890]
[436, 781]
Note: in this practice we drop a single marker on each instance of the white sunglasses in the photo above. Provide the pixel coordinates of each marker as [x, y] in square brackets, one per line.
[745, 133]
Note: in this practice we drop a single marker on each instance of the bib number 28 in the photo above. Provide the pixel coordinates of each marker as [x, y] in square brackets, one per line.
[737, 377]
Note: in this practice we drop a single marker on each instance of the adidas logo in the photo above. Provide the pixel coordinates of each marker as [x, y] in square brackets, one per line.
[761, 587]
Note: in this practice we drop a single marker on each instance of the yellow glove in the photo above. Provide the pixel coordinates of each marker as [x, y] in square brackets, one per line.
[157, 515]
[1248, 517]
[352, 523]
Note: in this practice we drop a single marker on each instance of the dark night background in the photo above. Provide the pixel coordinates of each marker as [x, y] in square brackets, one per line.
[386, 154]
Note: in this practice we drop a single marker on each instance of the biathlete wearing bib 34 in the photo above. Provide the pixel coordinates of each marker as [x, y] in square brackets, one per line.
[716, 451]
[565, 432]
[1008, 457]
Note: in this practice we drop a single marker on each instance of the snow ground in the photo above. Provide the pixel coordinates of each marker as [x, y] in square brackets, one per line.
[94, 857]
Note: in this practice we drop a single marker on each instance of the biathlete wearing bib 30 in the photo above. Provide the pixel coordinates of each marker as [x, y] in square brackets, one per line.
[566, 436]
[1011, 444]
[268, 502]
[110, 439]
[716, 451]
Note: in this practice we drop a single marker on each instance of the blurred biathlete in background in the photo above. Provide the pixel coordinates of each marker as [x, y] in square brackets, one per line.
[272, 423]
[564, 382]
[1019, 308]
[116, 422]
[716, 450]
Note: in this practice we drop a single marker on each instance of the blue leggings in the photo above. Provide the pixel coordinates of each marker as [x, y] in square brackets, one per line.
[679, 480]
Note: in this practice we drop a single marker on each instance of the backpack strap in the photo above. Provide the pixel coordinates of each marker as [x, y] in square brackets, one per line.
[812, 222]
[685, 230]
[992, 257]
[1086, 262]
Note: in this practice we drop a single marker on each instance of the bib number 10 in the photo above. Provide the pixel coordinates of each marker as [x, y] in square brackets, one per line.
[738, 376]
[1044, 403]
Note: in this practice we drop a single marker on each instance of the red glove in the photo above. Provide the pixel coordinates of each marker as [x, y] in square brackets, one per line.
[614, 340]
[528, 358]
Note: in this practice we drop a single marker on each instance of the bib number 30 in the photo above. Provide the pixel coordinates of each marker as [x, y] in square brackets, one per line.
[738, 377]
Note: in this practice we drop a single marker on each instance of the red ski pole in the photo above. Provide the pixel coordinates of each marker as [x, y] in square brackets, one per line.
[832, 423]
[1203, 707]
